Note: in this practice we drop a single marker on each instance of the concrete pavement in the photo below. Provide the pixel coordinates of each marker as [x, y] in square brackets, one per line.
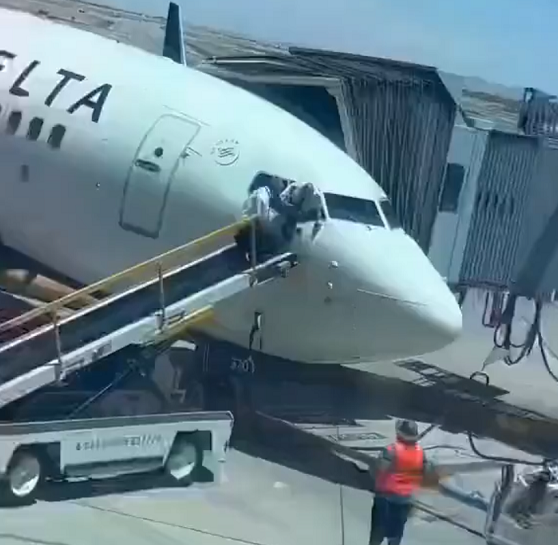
[260, 503]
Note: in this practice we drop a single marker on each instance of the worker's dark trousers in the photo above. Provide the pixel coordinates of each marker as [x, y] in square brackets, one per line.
[388, 520]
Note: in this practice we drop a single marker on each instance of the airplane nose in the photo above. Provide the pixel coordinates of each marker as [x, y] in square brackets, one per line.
[438, 314]
[428, 313]
[401, 306]
[419, 314]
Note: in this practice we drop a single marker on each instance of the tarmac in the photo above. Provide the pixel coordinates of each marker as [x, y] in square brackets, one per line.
[513, 418]
[526, 385]
[260, 503]
[304, 438]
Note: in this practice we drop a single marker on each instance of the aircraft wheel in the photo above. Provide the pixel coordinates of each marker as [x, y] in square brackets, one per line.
[184, 458]
[23, 478]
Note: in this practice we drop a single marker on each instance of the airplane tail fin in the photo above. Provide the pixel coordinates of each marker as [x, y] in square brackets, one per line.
[173, 47]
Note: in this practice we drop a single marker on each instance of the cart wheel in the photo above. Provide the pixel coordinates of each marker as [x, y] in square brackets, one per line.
[23, 478]
[184, 458]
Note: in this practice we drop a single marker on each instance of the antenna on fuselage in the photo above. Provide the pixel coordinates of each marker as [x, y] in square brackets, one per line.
[173, 46]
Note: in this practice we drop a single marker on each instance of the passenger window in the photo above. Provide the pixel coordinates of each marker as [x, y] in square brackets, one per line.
[389, 214]
[56, 136]
[353, 209]
[14, 121]
[35, 127]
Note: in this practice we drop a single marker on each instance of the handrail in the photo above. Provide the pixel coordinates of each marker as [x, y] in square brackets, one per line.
[159, 261]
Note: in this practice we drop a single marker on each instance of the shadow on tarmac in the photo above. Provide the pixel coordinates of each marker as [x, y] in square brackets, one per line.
[336, 395]
[270, 397]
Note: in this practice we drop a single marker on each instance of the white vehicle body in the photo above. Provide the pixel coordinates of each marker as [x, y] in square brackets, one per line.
[110, 447]
[110, 155]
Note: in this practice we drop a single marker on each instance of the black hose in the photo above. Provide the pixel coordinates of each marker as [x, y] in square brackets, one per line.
[505, 325]
[534, 335]
[546, 364]
[504, 331]
[474, 448]
[499, 459]
[482, 374]
[486, 322]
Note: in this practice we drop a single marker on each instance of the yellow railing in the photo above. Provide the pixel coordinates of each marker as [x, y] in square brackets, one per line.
[152, 268]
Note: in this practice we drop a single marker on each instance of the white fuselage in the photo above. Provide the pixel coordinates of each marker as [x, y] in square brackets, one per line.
[155, 154]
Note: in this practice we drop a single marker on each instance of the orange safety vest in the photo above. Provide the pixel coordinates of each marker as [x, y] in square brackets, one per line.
[405, 475]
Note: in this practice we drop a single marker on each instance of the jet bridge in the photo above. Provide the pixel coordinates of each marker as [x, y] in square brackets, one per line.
[148, 304]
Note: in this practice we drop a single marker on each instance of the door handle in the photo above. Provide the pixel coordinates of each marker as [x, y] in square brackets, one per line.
[148, 165]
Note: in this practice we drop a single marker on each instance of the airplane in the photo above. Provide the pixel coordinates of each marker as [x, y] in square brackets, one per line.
[110, 155]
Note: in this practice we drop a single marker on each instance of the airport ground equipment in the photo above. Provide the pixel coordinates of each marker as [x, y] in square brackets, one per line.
[160, 298]
[182, 445]
[523, 509]
[142, 310]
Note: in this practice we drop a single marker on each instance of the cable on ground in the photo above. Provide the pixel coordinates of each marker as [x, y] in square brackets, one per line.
[502, 338]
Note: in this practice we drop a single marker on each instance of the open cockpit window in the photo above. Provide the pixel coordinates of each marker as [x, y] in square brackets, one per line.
[389, 214]
[286, 195]
[341, 207]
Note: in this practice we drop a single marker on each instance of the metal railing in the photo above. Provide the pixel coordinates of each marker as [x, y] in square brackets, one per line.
[155, 267]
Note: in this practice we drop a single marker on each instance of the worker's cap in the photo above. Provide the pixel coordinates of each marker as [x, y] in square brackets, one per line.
[406, 430]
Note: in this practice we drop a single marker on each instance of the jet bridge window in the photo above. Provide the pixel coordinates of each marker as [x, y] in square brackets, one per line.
[353, 209]
[453, 182]
[56, 136]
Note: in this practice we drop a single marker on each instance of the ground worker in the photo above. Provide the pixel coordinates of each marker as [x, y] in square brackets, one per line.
[401, 470]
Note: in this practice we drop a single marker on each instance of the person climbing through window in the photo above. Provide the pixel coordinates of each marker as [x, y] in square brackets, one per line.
[264, 195]
[279, 206]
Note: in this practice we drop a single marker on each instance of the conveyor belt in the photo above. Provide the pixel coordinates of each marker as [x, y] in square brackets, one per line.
[139, 315]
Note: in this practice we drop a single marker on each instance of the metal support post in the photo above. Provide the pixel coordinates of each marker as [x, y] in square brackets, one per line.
[59, 366]
[253, 250]
[162, 306]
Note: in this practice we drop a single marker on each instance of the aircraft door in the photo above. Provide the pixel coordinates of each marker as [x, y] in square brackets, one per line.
[151, 174]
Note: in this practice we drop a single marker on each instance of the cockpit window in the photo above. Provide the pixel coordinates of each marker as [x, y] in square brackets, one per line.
[389, 214]
[353, 209]
[281, 197]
